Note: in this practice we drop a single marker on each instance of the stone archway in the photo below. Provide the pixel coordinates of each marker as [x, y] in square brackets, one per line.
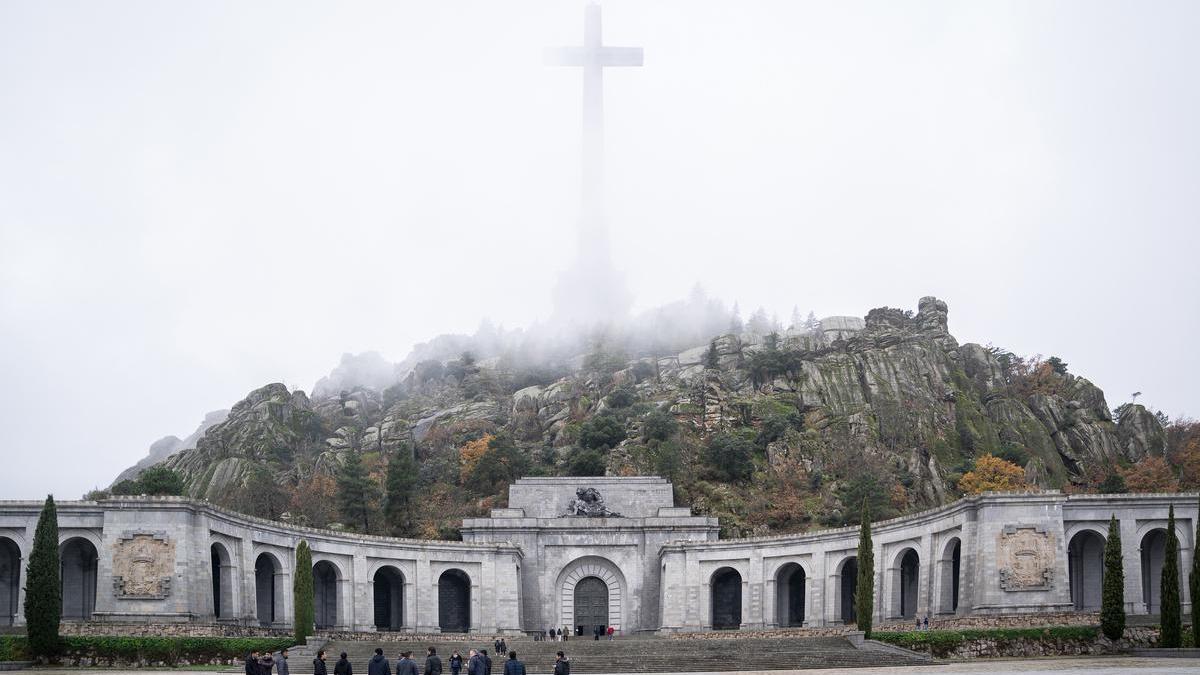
[1085, 569]
[79, 565]
[588, 572]
[726, 599]
[908, 578]
[10, 581]
[268, 589]
[950, 576]
[388, 592]
[790, 590]
[847, 585]
[1154, 553]
[326, 594]
[454, 601]
[222, 581]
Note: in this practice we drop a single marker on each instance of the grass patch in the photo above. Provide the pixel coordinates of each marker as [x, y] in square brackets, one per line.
[942, 642]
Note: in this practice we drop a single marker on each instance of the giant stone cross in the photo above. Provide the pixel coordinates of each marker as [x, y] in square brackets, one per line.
[593, 57]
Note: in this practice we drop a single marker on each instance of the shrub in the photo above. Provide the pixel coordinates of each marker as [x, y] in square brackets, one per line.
[659, 426]
[992, 474]
[622, 397]
[941, 642]
[730, 457]
[43, 594]
[601, 431]
[1112, 604]
[587, 462]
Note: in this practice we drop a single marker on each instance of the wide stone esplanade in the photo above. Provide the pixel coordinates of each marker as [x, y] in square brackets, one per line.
[579, 552]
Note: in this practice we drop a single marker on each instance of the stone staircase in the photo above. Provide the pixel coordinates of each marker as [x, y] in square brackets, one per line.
[641, 654]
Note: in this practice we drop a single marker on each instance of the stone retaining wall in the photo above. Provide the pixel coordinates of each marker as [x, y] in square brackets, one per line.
[828, 631]
[169, 630]
[1000, 621]
[1134, 638]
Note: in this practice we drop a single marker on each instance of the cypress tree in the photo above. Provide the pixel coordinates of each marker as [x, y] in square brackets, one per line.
[43, 592]
[864, 587]
[302, 593]
[1172, 635]
[1194, 586]
[1112, 605]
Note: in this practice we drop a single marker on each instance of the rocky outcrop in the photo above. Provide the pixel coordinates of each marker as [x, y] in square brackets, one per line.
[167, 446]
[895, 387]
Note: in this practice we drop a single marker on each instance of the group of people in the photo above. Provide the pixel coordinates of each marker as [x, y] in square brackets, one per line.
[263, 663]
[560, 635]
[478, 663]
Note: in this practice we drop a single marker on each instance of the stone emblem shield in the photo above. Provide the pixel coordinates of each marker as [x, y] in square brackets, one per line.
[143, 563]
[1025, 558]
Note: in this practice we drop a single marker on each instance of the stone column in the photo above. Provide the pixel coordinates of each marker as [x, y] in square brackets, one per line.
[362, 597]
[1131, 558]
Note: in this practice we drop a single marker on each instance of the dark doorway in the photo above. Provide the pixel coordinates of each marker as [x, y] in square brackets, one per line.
[222, 581]
[266, 573]
[10, 581]
[950, 577]
[910, 574]
[79, 563]
[849, 582]
[789, 598]
[1154, 552]
[726, 599]
[325, 594]
[591, 605]
[389, 599]
[1085, 569]
[454, 602]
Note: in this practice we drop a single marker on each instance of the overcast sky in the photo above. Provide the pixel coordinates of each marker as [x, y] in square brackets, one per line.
[198, 198]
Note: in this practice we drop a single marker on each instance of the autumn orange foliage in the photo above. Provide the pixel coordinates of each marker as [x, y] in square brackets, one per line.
[992, 474]
[469, 455]
[1151, 474]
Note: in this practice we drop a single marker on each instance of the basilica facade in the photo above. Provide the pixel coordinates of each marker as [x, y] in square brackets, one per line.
[575, 553]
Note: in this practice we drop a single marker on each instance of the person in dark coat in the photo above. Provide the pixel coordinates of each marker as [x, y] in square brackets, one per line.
[266, 663]
[378, 665]
[512, 666]
[319, 664]
[406, 666]
[433, 663]
[503, 645]
[455, 663]
[281, 664]
[496, 644]
[487, 662]
[561, 665]
[342, 667]
[252, 662]
[475, 664]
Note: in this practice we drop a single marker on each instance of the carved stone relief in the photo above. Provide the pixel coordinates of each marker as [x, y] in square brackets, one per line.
[1025, 558]
[143, 563]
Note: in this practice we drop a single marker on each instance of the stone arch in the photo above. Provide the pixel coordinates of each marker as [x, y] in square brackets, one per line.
[327, 593]
[907, 578]
[10, 581]
[950, 576]
[1154, 552]
[603, 569]
[847, 576]
[222, 581]
[1085, 569]
[454, 601]
[726, 589]
[791, 589]
[268, 589]
[79, 567]
[388, 593]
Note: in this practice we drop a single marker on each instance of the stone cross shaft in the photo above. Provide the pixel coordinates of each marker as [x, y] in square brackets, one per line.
[593, 57]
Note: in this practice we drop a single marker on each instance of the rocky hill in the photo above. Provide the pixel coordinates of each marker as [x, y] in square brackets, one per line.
[889, 407]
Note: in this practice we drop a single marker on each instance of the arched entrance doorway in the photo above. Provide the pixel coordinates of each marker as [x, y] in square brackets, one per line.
[10, 581]
[951, 565]
[389, 599]
[847, 584]
[454, 602]
[909, 576]
[325, 594]
[268, 589]
[789, 595]
[726, 599]
[591, 605]
[222, 581]
[1085, 569]
[1154, 552]
[79, 564]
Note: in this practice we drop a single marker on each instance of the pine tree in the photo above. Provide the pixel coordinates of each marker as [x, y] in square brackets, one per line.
[355, 492]
[1172, 634]
[864, 587]
[302, 593]
[398, 487]
[43, 592]
[1194, 586]
[1112, 604]
[712, 360]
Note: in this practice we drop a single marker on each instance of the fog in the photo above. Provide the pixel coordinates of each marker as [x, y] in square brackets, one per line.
[200, 198]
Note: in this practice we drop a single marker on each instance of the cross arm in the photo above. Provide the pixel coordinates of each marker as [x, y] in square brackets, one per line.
[601, 56]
